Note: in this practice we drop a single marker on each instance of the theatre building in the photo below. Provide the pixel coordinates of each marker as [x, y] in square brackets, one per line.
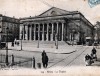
[56, 24]
[9, 28]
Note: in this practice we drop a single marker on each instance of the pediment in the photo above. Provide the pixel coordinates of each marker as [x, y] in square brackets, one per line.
[53, 12]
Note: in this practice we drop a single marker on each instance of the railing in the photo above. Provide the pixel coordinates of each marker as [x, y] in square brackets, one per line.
[17, 61]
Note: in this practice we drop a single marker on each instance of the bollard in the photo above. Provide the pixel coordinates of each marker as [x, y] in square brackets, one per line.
[33, 62]
[39, 65]
[12, 63]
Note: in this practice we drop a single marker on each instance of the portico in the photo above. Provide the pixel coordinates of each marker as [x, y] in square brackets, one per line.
[43, 31]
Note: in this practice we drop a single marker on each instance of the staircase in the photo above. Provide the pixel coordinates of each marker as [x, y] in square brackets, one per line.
[44, 44]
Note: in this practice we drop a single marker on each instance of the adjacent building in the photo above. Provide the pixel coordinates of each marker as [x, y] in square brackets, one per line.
[97, 32]
[56, 24]
[9, 28]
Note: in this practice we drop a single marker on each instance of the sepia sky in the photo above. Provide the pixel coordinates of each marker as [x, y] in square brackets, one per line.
[26, 8]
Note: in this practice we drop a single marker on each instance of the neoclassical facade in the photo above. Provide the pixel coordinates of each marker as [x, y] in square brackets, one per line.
[56, 23]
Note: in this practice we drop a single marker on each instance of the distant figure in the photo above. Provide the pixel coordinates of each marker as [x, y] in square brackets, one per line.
[93, 54]
[12, 44]
[94, 51]
[15, 41]
[44, 59]
[12, 60]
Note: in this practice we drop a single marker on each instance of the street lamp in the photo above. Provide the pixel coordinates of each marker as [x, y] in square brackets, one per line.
[21, 41]
[73, 36]
[56, 37]
[7, 46]
[38, 43]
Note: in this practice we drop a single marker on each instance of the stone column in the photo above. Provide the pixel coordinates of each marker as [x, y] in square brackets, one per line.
[21, 29]
[23, 32]
[52, 32]
[62, 31]
[34, 32]
[39, 31]
[43, 33]
[47, 32]
[26, 28]
[30, 32]
[57, 28]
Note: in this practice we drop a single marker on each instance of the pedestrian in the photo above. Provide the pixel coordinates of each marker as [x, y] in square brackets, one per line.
[93, 54]
[15, 41]
[88, 60]
[12, 60]
[94, 51]
[12, 44]
[44, 59]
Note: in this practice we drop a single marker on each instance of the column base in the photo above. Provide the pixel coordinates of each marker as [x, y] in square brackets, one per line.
[47, 37]
[51, 37]
[42, 37]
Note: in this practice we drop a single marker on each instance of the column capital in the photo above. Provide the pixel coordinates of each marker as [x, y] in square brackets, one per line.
[37, 23]
[47, 23]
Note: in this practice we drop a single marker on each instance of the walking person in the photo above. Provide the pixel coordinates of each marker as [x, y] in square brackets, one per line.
[94, 51]
[44, 59]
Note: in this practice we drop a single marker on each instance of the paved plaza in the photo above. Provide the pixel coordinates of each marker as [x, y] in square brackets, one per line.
[45, 45]
[65, 55]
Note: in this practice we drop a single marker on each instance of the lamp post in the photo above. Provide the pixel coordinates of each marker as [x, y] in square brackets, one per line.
[38, 43]
[56, 41]
[55, 37]
[73, 36]
[21, 43]
[7, 46]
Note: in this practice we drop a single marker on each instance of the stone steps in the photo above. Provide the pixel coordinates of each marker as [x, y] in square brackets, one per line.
[44, 44]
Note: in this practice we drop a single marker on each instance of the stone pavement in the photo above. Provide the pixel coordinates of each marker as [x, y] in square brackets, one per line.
[53, 57]
[50, 48]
